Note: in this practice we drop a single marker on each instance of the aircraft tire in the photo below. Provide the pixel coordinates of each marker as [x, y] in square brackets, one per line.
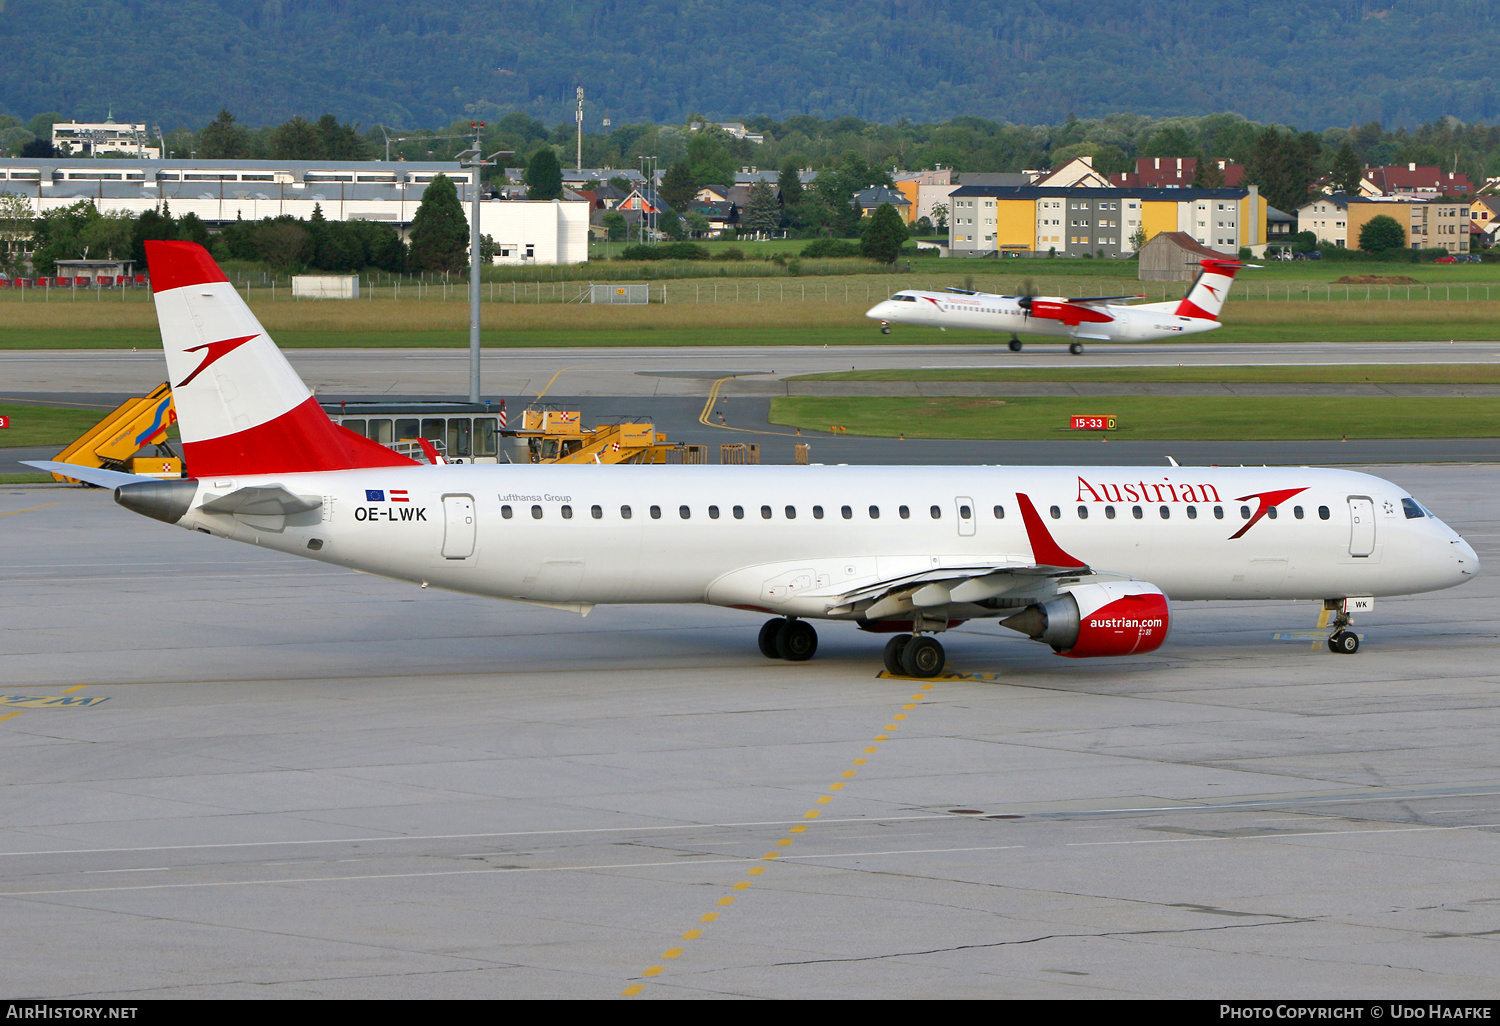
[767, 640]
[923, 657]
[1344, 643]
[796, 641]
[892, 654]
[885, 330]
[1076, 348]
[1015, 345]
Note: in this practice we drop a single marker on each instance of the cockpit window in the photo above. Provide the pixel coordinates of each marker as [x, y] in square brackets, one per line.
[1413, 509]
[902, 298]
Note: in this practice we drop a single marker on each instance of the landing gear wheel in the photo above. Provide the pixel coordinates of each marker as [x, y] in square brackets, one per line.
[796, 640]
[1015, 345]
[923, 657]
[1344, 643]
[1076, 348]
[885, 329]
[892, 654]
[767, 639]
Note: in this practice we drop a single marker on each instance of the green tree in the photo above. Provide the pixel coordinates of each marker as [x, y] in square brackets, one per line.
[678, 187]
[1207, 174]
[789, 184]
[709, 159]
[1282, 165]
[190, 228]
[614, 224]
[223, 139]
[282, 242]
[1171, 141]
[1347, 171]
[1381, 234]
[1138, 238]
[762, 214]
[296, 139]
[151, 224]
[439, 231]
[15, 229]
[884, 235]
[340, 141]
[543, 176]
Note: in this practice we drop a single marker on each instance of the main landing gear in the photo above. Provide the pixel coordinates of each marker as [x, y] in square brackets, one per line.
[1015, 344]
[919, 655]
[1076, 348]
[1343, 640]
[785, 638]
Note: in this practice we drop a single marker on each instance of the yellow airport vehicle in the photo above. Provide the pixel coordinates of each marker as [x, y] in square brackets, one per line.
[133, 425]
[558, 436]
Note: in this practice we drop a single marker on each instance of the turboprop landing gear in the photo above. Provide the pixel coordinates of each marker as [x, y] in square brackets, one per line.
[785, 638]
[885, 329]
[1343, 640]
[1015, 344]
[1076, 348]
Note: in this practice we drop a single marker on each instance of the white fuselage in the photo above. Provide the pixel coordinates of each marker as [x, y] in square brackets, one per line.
[1143, 323]
[793, 550]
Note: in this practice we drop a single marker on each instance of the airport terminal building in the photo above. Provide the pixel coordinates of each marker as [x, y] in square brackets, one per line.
[222, 191]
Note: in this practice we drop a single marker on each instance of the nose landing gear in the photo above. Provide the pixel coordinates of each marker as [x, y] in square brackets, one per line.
[885, 327]
[1343, 640]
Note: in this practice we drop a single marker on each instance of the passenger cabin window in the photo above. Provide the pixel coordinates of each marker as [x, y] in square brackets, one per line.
[1166, 512]
[847, 512]
[905, 512]
[936, 512]
[1323, 513]
[713, 512]
[624, 512]
[739, 512]
[1244, 512]
[1109, 512]
[684, 512]
[1218, 512]
[567, 512]
[874, 512]
[965, 513]
[1056, 513]
[1192, 512]
[1271, 512]
[817, 512]
[597, 512]
[791, 512]
[536, 512]
[505, 512]
[655, 512]
[1297, 512]
[765, 512]
[1083, 512]
[999, 512]
[1137, 512]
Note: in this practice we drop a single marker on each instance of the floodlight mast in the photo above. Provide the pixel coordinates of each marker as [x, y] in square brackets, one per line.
[473, 160]
[579, 117]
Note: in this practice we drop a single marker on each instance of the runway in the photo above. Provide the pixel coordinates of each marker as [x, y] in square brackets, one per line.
[229, 773]
[683, 371]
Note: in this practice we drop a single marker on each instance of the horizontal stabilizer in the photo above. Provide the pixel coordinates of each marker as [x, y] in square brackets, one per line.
[261, 501]
[93, 475]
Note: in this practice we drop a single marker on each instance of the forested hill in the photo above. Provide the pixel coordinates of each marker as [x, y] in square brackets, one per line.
[424, 63]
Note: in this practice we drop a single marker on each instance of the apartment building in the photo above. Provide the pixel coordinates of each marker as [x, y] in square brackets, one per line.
[1429, 223]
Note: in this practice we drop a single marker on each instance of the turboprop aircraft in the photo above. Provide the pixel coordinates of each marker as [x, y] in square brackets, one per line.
[1084, 560]
[1100, 318]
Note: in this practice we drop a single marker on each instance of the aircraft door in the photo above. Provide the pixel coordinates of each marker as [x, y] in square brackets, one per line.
[458, 526]
[965, 510]
[1361, 525]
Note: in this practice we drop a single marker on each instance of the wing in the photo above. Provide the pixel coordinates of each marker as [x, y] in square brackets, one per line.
[1100, 299]
[974, 292]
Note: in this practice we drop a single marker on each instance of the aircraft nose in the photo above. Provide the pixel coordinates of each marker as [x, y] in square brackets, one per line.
[1468, 560]
[879, 311]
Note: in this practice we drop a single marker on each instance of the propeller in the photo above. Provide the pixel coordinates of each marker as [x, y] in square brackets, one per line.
[1028, 293]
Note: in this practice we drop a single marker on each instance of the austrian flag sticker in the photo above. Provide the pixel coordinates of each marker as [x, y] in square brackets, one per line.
[378, 495]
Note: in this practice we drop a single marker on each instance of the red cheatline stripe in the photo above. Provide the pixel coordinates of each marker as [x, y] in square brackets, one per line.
[177, 264]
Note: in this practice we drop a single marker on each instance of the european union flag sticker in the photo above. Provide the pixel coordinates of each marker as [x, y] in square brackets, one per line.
[374, 495]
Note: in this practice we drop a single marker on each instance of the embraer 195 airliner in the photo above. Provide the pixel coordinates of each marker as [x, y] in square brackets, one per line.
[1082, 559]
[1101, 318]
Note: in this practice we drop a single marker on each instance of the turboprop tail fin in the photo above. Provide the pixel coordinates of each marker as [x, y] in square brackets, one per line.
[1206, 298]
[241, 408]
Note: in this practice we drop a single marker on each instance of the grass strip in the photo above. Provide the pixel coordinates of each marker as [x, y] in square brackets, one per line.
[35, 478]
[45, 425]
[1145, 417]
[1410, 374]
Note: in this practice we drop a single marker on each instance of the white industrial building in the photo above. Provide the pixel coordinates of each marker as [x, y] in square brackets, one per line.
[93, 138]
[222, 191]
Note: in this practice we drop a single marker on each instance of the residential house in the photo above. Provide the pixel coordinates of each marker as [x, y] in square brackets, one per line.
[1411, 180]
[870, 200]
[1077, 173]
[1430, 223]
[1175, 173]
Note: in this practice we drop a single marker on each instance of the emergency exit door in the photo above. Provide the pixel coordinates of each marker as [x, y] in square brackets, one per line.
[964, 507]
[1361, 525]
[458, 526]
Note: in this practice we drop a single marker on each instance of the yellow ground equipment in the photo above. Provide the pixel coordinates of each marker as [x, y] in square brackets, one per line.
[114, 441]
[558, 436]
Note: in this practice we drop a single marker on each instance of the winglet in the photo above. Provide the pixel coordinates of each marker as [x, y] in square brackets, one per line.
[1044, 550]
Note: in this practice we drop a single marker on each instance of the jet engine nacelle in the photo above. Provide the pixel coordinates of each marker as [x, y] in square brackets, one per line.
[1111, 618]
